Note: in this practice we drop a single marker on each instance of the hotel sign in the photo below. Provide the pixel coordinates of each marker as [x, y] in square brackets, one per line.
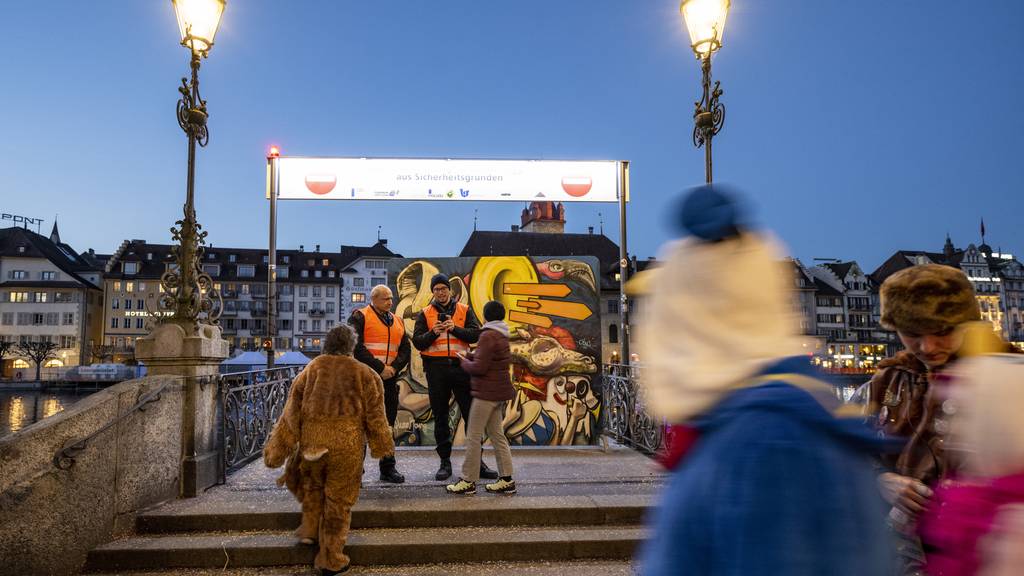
[19, 220]
[433, 179]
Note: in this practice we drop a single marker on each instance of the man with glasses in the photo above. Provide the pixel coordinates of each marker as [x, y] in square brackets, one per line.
[444, 329]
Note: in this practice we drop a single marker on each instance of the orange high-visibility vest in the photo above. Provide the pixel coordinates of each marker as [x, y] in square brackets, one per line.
[441, 346]
[380, 339]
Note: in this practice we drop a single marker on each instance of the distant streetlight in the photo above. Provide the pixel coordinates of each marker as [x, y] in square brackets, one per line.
[705, 20]
[188, 291]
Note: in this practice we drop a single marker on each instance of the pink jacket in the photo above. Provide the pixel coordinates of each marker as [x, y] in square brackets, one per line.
[968, 528]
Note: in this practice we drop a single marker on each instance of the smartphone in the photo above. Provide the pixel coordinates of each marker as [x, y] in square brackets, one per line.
[442, 317]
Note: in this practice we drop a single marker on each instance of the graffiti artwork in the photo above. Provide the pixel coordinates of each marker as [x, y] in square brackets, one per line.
[553, 316]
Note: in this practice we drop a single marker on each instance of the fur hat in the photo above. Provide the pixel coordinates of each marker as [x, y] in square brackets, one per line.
[928, 298]
[439, 278]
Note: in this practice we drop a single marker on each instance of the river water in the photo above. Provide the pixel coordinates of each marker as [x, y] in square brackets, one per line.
[21, 408]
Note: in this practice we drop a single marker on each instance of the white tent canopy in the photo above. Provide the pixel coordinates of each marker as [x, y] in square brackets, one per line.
[291, 358]
[246, 359]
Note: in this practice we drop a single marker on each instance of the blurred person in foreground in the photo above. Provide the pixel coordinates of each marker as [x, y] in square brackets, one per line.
[335, 407]
[974, 524]
[928, 306]
[772, 481]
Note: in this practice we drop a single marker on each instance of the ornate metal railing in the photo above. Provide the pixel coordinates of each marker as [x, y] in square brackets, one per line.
[626, 416]
[250, 403]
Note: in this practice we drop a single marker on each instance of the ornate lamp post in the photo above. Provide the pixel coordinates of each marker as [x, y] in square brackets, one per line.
[705, 20]
[188, 291]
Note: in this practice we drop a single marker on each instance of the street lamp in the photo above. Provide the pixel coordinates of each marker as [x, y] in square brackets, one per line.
[188, 291]
[705, 20]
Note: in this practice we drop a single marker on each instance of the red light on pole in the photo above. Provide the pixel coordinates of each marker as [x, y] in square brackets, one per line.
[274, 152]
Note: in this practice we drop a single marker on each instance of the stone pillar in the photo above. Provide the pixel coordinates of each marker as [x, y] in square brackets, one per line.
[195, 355]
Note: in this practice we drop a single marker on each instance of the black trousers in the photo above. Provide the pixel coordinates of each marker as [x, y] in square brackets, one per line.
[391, 412]
[446, 378]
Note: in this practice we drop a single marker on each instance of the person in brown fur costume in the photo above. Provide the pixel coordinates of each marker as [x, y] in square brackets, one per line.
[335, 407]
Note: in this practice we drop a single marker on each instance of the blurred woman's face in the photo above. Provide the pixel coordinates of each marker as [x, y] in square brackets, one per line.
[934, 350]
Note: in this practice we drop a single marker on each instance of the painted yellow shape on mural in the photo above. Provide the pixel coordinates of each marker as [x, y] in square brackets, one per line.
[534, 289]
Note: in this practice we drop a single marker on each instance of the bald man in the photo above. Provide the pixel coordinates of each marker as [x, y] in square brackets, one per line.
[384, 347]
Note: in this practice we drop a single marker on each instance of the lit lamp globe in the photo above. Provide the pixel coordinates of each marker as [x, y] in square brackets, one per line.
[705, 21]
[197, 22]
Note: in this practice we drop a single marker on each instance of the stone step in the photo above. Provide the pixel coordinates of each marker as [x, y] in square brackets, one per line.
[279, 511]
[371, 547]
[588, 567]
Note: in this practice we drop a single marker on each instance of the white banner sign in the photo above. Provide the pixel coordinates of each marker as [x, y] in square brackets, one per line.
[423, 179]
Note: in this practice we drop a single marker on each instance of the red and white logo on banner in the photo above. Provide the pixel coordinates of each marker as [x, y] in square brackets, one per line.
[321, 183]
[576, 186]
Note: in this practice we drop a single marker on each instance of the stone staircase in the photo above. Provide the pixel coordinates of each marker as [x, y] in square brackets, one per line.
[550, 524]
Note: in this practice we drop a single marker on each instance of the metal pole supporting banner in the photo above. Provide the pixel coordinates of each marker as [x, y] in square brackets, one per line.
[623, 264]
[272, 262]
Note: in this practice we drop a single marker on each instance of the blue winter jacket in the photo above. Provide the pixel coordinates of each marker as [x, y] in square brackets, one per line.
[775, 485]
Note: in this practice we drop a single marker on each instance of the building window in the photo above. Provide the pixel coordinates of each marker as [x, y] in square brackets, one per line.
[285, 259]
[18, 297]
[232, 257]
[139, 304]
[69, 318]
[127, 303]
[243, 323]
[316, 325]
[358, 282]
[613, 306]
[375, 264]
[63, 297]
[304, 274]
[212, 269]
[317, 291]
[39, 297]
[377, 281]
[303, 291]
[282, 272]
[246, 271]
[358, 297]
[115, 303]
[138, 323]
[329, 307]
[302, 325]
[330, 291]
[131, 267]
[303, 307]
[266, 259]
[52, 318]
[113, 322]
[117, 285]
[48, 276]
[329, 325]
[17, 275]
[325, 262]
[613, 334]
[330, 273]
[7, 318]
[129, 287]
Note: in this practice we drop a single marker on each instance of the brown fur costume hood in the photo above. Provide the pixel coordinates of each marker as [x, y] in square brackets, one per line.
[336, 404]
[928, 298]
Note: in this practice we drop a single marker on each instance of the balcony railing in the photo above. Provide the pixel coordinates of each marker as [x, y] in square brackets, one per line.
[316, 313]
[625, 415]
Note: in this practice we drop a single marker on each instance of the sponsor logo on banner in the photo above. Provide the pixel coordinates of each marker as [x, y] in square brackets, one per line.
[463, 193]
[576, 186]
[320, 184]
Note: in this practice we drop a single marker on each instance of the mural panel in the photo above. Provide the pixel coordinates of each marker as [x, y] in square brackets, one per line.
[554, 317]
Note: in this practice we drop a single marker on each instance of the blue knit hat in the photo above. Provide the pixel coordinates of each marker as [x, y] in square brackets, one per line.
[710, 212]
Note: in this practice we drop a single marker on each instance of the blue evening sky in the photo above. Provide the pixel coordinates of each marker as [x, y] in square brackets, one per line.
[856, 128]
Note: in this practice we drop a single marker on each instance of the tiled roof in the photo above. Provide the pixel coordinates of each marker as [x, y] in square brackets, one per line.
[23, 243]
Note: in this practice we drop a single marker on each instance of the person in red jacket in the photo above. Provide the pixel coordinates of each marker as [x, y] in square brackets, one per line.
[491, 386]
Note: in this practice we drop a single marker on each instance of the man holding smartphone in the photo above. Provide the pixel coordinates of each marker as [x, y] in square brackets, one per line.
[444, 329]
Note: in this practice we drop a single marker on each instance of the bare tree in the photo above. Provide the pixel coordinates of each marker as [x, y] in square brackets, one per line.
[38, 352]
[101, 353]
[5, 348]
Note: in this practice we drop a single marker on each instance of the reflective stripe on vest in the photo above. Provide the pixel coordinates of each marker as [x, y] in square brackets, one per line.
[380, 339]
[442, 345]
